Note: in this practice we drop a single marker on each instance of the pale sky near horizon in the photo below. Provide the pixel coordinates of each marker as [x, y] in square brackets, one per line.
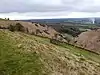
[38, 9]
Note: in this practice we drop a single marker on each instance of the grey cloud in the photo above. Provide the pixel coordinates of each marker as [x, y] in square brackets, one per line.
[91, 9]
[24, 6]
[48, 6]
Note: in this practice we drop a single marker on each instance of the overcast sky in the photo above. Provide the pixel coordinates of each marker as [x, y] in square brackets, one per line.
[35, 9]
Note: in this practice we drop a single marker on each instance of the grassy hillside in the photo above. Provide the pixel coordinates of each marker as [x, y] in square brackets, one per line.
[22, 54]
[14, 60]
[89, 40]
[30, 28]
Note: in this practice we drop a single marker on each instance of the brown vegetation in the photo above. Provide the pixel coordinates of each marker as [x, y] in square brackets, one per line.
[89, 40]
[28, 27]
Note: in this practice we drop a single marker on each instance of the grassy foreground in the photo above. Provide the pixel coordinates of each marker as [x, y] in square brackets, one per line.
[15, 61]
[22, 54]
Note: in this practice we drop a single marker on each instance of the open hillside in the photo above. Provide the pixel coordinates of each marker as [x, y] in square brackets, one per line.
[30, 28]
[23, 54]
[89, 40]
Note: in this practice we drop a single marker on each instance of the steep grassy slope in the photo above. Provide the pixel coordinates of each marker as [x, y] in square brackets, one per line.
[22, 54]
[78, 52]
[15, 61]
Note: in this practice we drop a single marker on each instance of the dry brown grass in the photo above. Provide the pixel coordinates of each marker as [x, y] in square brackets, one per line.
[89, 40]
[31, 27]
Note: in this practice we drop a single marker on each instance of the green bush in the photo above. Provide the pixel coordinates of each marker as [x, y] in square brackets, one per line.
[38, 31]
[72, 31]
[11, 28]
[17, 27]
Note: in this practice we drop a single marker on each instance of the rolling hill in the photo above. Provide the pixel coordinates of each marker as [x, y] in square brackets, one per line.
[89, 40]
[29, 53]
[24, 54]
[30, 28]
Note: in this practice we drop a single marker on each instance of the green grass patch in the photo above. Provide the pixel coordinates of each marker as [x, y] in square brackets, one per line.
[79, 51]
[15, 62]
[83, 52]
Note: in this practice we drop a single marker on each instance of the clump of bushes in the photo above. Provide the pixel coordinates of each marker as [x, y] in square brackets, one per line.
[36, 25]
[72, 31]
[38, 31]
[46, 31]
[43, 25]
[7, 19]
[17, 27]
[11, 28]
[54, 41]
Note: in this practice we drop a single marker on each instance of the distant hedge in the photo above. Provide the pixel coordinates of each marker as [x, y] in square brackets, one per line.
[72, 31]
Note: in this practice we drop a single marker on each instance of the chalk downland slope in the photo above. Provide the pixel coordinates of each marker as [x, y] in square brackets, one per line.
[89, 40]
[31, 28]
[23, 54]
